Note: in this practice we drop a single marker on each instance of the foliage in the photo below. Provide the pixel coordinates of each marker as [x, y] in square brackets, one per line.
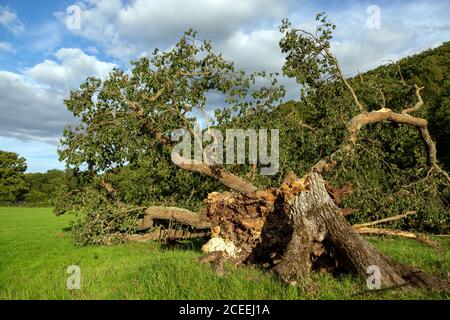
[388, 167]
[12, 180]
[44, 186]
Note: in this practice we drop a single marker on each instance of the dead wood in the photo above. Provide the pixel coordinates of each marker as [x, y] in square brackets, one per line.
[164, 234]
[399, 233]
[180, 215]
[393, 218]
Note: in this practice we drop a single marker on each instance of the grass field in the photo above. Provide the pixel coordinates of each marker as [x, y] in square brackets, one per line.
[35, 252]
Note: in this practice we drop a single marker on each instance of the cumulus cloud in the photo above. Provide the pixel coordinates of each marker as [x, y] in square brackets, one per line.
[404, 30]
[254, 51]
[10, 21]
[32, 106]
[30, 111]
[127, 30]
[70, 69]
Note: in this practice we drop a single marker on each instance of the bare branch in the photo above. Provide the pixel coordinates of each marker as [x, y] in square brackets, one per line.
[419, 102]
[344, 80]
[383, 114]
[372, 223]
[400, 233]
[386, 114]
[108, 187]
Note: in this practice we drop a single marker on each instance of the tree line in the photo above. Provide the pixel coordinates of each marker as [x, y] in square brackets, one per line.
[20, 188]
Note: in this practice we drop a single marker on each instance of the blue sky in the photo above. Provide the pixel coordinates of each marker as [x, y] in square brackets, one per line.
[43, 55]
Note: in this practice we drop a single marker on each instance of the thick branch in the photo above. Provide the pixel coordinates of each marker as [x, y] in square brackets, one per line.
[226, 178]
[167, 234]
[385, 114]
[180, 215]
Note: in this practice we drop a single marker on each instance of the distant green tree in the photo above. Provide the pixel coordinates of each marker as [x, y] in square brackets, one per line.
[35, 196]
[13, 186]
[44, 185]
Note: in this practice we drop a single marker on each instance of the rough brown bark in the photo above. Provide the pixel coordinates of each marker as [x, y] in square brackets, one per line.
[315, 218]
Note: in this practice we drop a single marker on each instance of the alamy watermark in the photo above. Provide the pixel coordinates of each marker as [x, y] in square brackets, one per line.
[234, 146]
[373, 22]
[373, 281]
[74, 280]
[73, 18]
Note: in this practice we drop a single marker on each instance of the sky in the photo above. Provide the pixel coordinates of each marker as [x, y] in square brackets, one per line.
[48, 48]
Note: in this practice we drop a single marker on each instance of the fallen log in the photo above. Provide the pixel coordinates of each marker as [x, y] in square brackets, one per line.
[165, 234]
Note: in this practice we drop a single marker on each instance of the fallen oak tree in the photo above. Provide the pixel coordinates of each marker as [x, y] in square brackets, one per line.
[295, 228]
[298, 227]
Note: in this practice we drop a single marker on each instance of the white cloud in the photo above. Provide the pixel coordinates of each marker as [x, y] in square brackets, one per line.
[70, 69]
[32, 106]
[406, 29]
[10, 21]
[245, 31]
[255, 51]
[6, 47]
[125, 31]
[375, 47]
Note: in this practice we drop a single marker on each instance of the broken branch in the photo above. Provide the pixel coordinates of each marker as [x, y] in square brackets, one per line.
[372, 223]
[180, 215]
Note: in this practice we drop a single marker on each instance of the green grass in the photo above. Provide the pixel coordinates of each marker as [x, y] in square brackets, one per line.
[35, 252]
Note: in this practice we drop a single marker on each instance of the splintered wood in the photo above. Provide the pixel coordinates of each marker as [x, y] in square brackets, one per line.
[252, 227]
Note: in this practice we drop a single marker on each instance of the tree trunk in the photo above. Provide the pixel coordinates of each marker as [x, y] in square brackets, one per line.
[297, 229]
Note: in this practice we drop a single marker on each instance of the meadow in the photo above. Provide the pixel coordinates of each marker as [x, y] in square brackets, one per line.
[36, 249]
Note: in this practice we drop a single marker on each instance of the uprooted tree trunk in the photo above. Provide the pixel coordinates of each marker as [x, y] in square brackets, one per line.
[296, 228]
[321, 234]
